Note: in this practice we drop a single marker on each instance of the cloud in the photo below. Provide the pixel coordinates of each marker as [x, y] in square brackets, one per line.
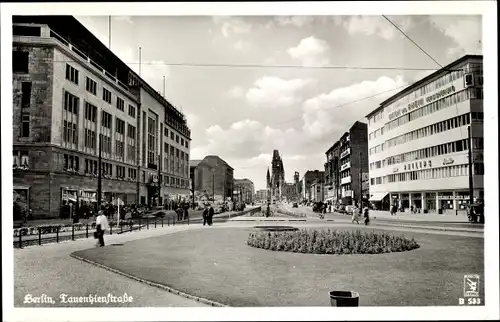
[465, 31]
[323, 118]
[236, 92]
[296, 21]
[311, 51]
[231, 25]
[241, 45]
[272, 92]
[373, 25]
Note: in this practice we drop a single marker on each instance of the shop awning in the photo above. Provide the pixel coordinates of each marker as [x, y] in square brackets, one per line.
[378, 196]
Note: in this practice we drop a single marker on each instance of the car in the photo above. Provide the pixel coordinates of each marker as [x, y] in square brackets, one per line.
[295, 205]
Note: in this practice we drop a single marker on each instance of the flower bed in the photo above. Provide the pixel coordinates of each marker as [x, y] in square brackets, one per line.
[330, 242]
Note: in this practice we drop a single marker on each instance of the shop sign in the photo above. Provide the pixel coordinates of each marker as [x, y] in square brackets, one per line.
[417, 165]
[421, 102]
[448, 161]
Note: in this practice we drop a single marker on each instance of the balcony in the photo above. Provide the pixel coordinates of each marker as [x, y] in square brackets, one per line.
[345, 180]
[345, 166]
[345, 153]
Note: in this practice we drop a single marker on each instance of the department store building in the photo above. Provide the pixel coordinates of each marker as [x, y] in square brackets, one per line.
[418, 141]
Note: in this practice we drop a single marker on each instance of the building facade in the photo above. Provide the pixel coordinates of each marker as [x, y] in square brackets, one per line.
[317, 190]
[261, 195]
[346, 169]
[244, 190]
[213, 178]
[418, 141]
[307, 180]
[71, 98]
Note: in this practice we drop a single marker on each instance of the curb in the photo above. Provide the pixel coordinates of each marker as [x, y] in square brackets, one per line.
[161, 286]
[433, 228]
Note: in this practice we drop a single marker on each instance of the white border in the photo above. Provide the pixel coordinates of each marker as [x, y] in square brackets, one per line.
[487, 8]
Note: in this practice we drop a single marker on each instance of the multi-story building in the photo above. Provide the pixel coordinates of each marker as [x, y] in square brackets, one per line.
[73, 98]
[332, 173]
[419, 140]
[296, 182]
[347, 166]
[261, 195]
[317, 190]
[289, 192]
[213, 177]
[306, 182]
[245, 190]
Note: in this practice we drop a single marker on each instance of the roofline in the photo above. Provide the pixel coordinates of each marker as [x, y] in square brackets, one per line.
[422, 81]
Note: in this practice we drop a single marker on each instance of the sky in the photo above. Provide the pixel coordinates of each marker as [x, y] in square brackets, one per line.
[243, 113]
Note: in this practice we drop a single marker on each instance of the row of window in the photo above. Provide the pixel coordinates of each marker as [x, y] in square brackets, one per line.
[182, 141]
[72, 74]
[428, 174]
[432, 129]
[441, 149]
[444, 80]
[470, 93]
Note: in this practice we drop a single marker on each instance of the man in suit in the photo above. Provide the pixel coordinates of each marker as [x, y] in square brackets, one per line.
[210, 215]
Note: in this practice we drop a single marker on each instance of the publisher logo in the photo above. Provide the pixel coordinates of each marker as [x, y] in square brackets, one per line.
[471, 285]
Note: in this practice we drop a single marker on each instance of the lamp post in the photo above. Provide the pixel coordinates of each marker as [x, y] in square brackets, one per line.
[99, 178]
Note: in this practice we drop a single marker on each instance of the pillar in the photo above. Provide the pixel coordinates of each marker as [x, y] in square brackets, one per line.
[437, 202]
[409, 200]
[424, 201]
[454, 200]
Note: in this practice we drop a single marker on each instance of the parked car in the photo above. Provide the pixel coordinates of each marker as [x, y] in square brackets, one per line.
[295, 205]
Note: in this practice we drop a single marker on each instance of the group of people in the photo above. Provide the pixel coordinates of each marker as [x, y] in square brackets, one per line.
[361, 211]
[182, 211]
[208, 215]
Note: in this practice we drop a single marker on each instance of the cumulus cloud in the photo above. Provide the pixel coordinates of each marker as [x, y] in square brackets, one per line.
[277, 92]
[311, 51]
[373, 25]
[296, 21]
[323, 116]
[232, 25]
[465, 31]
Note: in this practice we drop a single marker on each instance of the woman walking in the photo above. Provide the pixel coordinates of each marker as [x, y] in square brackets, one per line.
[101, 226]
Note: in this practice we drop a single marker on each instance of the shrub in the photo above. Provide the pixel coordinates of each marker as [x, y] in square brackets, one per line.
[331, 242]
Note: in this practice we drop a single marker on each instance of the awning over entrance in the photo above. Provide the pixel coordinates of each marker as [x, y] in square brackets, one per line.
[378, 196]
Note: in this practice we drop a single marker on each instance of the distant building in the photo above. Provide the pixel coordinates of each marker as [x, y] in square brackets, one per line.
[318, 190]
[213, 178]
[244, 190]
[261, 195]
[419, 145]
[307, 180]
[277, 176]
[346, 169]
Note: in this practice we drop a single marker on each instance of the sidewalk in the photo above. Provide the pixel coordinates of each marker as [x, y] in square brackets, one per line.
[420, 217]
[49, 270]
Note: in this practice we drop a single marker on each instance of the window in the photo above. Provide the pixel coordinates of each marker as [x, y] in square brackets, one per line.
[20, 62]
[131, 131]
[120, 126]
[70, 133]
[187, 145]
[479, 168]
[120, 171]
[182, 141]
[90, 139]
[91, 86]
[132, 173]
[120, 104]
[106, 120]
[177, 138]
[25, 125]
[166, 131]
[131, 111]
[106, 143]
[106, 95]
[26, 94]
[90, 112]
[71, 103]
[71, 162]
[165, 147]
[120, 148]
[71, 74]
[171, 135]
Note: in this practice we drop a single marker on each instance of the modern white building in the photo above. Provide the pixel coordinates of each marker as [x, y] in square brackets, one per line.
[418, 141]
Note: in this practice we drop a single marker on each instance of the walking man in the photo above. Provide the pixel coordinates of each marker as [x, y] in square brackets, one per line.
[210, 215]
[205, 216]
[101, 226]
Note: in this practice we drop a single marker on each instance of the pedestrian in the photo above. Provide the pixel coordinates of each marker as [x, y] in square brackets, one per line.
[101, 226]
[366, 215]
[355, 215]
[210, 215]
[186, 212]
[205, 216]
[394, 209]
